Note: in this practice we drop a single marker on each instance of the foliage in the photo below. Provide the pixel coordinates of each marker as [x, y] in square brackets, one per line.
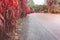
[8, 15]
[39, 7]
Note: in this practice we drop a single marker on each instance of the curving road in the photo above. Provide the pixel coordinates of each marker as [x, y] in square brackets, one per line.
[40, 26]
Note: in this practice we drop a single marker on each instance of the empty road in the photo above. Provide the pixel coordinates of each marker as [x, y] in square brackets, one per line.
[40, 26]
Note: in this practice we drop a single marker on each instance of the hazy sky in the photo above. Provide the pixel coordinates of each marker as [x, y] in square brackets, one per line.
[39, 2]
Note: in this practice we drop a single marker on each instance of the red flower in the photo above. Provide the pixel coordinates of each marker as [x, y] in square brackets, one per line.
[6, 1]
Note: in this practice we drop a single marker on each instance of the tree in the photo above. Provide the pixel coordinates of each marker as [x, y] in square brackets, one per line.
[9, 12]
[51, 4]
[25, 8]
[8, 16]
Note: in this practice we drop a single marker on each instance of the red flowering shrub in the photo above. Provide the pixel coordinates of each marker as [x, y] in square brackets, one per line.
[8, 15]
[10, 10]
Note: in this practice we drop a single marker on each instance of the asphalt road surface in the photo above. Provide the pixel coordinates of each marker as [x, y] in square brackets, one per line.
[40, 26]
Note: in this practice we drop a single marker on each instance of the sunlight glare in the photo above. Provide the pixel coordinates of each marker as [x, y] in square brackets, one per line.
[39, 2]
